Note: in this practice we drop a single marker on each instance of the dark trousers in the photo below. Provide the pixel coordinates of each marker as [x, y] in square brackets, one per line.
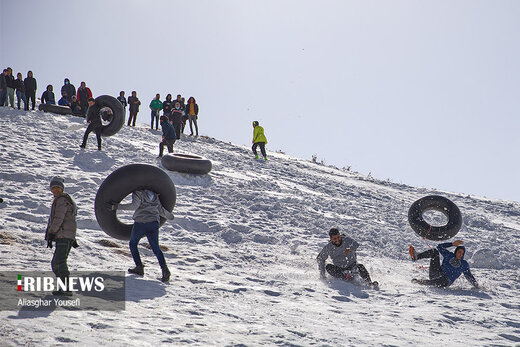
[437, 276]
[59, 260]
[168, 144]
[3, 96]
[96, 128]
[155, 116]
[336, 271]
[177, 125]
[151, 231]
[31, 96]
[84, 108]
[132, 118]
[262, 148]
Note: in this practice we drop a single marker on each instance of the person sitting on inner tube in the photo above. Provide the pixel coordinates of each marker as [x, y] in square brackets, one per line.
[342, 251]
[453, 265]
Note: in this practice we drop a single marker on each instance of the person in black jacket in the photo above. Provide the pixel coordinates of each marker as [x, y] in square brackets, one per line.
[176, 119]
[134, 103]
[3, 87]
[167, 106]
[20, 91]
[30, 88]
[68, 90]
[48, 96]
[10, 88]
[168, 136]
[94, 123]
[75, 106]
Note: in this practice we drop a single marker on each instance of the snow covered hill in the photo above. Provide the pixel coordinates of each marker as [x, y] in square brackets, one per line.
[242, 250]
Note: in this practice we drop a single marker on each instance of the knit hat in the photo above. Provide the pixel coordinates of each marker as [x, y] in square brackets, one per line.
[57, 181]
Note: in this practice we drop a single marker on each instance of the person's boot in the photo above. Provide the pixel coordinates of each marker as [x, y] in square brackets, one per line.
[62, 292]
[137, 270]
[256, 156]
[165, 274]
[265, 158]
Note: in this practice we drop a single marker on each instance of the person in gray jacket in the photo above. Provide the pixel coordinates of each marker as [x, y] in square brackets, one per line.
[342, 250]
[61, 229]
[148, 211]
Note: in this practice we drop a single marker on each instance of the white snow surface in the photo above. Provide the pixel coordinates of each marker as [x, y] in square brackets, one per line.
[242, 250]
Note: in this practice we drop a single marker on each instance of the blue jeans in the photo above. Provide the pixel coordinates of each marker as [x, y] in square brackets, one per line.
[151, 230]
[21, 96]
[155, 115]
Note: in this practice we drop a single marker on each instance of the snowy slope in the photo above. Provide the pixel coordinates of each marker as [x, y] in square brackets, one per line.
[242, 250]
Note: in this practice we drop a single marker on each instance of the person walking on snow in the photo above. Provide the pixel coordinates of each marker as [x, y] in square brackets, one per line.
[148, 211]
[259, 139]
[156, 106]
[94, 123]
[61, 229]
[168, 136]
[453, 265]
[342, 250]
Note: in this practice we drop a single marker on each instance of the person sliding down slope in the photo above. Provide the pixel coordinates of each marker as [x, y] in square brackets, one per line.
[342, 251]
[453, 265]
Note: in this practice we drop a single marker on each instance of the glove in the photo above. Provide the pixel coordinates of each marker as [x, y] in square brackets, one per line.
[49, 243]
[75, 244]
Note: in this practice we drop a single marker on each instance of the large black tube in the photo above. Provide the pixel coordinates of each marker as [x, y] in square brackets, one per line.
[118, 114]
[440, 204]
[63, 110]
[187, 163]
[123, 182]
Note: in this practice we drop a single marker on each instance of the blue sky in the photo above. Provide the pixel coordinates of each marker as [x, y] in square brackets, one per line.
[424, 93]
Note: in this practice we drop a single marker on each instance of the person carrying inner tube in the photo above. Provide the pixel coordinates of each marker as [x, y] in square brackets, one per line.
[259, 139]
[453, 265]
[342, 250]
[94, 123]
[147, 216]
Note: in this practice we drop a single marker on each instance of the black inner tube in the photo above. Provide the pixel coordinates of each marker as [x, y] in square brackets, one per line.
[440, 204]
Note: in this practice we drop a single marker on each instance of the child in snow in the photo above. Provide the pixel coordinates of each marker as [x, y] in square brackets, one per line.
[259, 139]
[61, 229]
[453, 265]
[342, 251]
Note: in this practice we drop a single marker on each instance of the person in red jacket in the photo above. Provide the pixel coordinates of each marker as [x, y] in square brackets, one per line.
[83, 95]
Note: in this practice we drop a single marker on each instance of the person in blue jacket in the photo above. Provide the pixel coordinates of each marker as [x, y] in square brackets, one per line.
[453, 265]
[168, 136]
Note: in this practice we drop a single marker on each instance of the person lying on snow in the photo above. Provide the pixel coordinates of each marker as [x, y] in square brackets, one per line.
[342, 250]
[453, 265]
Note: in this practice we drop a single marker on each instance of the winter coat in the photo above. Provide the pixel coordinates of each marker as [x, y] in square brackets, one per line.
[63, 102]
[19, 86]
[30, 84]
[194, 111]
[93, 114]
[83, 95]
[62, 221]
[48, 98]
[69, 89]
[167, 106]
[337, 254]
[9, 79]
[177, 114]
[148, 207]
[258, 134]
[168, 131]
[156, 105]
[3, 82]
[134, 107]
[122, 100]
[452, 267]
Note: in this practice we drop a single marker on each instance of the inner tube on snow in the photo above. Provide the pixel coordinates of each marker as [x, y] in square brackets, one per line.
[123, 182]
[440, 204]
[187, 163]
[63, 110]
[118, 114]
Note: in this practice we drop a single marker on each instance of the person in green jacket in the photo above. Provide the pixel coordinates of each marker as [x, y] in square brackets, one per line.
[156, 106]
[259, 139]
